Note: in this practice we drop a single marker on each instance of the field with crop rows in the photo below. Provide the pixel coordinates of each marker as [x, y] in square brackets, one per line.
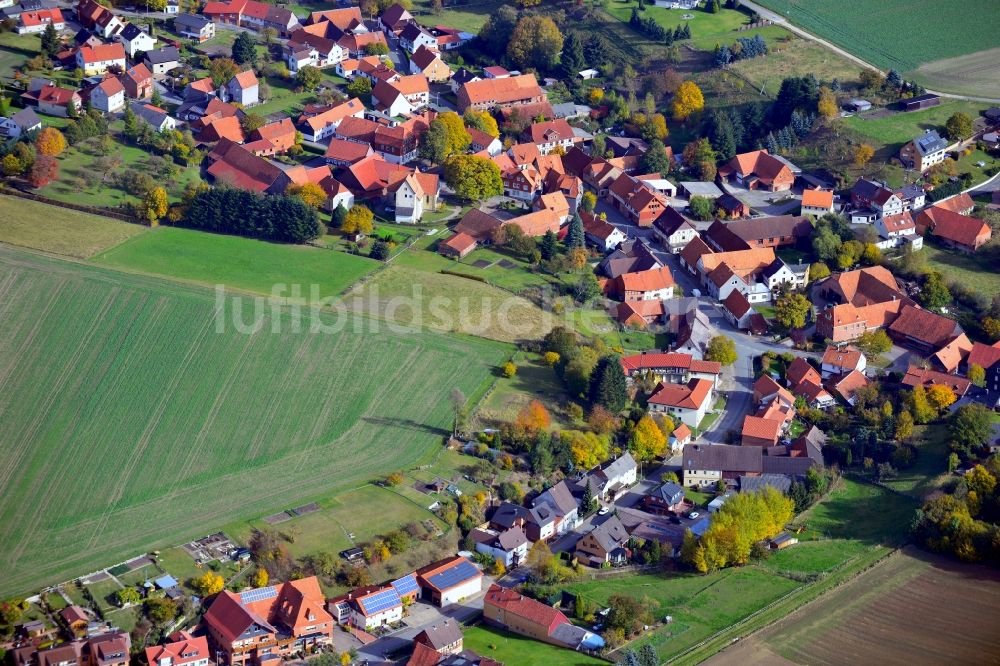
[899, 34]
[130, 422]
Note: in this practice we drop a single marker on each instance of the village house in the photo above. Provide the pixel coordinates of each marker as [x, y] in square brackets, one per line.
[601, 234]
[99, 19]
[414, 36]
[428, 63]
[161, 61]
[97, 59]
[703, 466]
[508, 92]
[672, 367]
[552, 134]
[953, 229]
[611, 478]
[509, 546]
[50, 99]
[759, 170]
[916, 376]
[273, 620]
[512, 611]
[867, 195]
[923, 330]
[653, 284]
[449, 581]
[687, 403]
[182, 650]
[817, 202]
[29, 23]
[780, 231]
[319, 126]
[443, 637]
[194, 26]
[272, 138]
[415, 195]
[108, 96]
[604, 544]
[838, 361]
[898, 229]
[22, 122]
[138, 82]
[242, 89]
[484, 143]
[253, 15]
[673, 230]
[154, 116]
[553, 513]
[394, 18]
[135, 39]
[988, 358]
[924, 151]
[846, 386]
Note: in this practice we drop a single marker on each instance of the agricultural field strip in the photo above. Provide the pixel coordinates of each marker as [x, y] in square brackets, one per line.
[131, 322]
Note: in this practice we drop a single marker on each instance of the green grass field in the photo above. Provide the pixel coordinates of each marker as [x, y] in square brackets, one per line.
[59, 230]
[511, 648]
[794, 56]
[469, 17]
[924, 32]
[898, 128]
[132, 423]
[239, 263]
[972, 270]
[707, 29]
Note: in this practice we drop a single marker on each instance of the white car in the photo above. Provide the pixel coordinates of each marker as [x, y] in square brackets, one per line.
[604, 511]
[693, 515]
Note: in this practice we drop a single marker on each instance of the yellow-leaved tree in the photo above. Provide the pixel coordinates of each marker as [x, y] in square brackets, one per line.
[311, 193]
[687, 100]
[359, 220]
[647, 440]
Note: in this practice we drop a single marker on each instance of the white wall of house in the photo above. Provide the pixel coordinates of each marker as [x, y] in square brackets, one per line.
[694, 478]
[462, 591]
[505, 556]
[378, 619]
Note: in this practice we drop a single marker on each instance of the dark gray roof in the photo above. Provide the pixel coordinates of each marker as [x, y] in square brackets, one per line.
[559, 497]
[26, 118]
[670, 221]
[911, 191]
[624, 146]
[930, 142]
[193, 21]
[440, 635]
[508, 513]
[752, 484]
[619, 466]
[671, 492]
[131, 31]
[786, 465]
[722, 457]
[512, 538]
[773, 268]
[569, 635]
[610, 534]
[463, 76]
[164, 55]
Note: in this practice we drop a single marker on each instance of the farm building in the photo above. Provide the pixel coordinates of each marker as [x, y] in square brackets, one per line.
[859, 105]
[920, 102]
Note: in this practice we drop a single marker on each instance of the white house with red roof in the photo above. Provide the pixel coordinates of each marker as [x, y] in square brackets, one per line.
[96, 59]
[514, 612]
[182, 650]
[687, 403]
[35, 22]
[108, 95]
[449, 581]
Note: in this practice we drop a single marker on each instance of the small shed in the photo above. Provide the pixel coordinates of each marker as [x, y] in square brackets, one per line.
[782, 541]
[920, 102]
[352, 554]
[859, 105]
[588, 74]
[165, 582]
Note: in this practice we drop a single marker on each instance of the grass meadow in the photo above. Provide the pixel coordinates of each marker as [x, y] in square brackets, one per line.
[898, 128]
[62, 231]
[240, 263]
[509, 648]
[866, 29]
[130, 423]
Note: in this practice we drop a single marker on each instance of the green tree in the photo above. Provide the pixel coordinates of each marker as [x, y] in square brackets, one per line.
[252, 121]
[472, 177]
[572, 60]
[549, 245]
[497, 30]
[308, 77]
[160, 611]
[50, 41]
[339, 214]
[481, 120]
[970, 428]
[377, 48]
[244, 49]
[655, 160]
[360, 87]
[434, 143]
[222, 69]
[535, 42]
[920, 406]
[935, 293]
[702, 208]
[874, 343]
[826, 244]
[818, 271]
[958, 126]
[976, 375]
[792, 309]
[127, 595]
[607, 384]
[721, 349]
[575, 236]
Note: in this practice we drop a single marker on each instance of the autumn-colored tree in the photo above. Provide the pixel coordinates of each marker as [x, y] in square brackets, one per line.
[827, 105]
[222, 69]
[687, 100]
[43, 171]
[533, 417]
[260, 577]
[792, 309]
[473, 177]
[692, 553]
[11, 165]
[647, 441]
[551, 358]
[656, 128]
[394, 479]
[577, 258]
[863, 154]
[588, 449]
[904, 427]
[991, 327]
[482, 120]
[50, 142]
[156, 204]
[588, 202]
[920, 406]
[359, 220]
[940, 396]
[209, 583]
[818, 271]
[346, 659]
[535, 42]
[311, 193]
[458, 138]
[508, 369]
[595, 96]
[497, 569]
[721, 349]
[976, 375]
[602, 420]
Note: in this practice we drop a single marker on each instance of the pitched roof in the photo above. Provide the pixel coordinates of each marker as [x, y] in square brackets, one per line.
[110, 86]
[235, 165]
[722, 457]
[440, 635]
[682, 396]
[635, 313]
[737, 304]
[849, 383]
[925, 326]
[448, 573]
[140, 73]
[516, 604]
[759, 163]
[952, 226]
[898, 223]
[817, 198]
[610, 534]
[102, 52]
[694, 251]
[951, 355]
[742, 262]
[333, 115]
[663, 360]
[478, 223]
[551, 131]
[163, 55]
[865, 286]
[502, 91]
[558, 497]
[929, 142]
[846, 358]
[394, 15]
[537, 223]
[799, 371]
[245, 80]
[742, 234]
[653, 279]
[761, 428]
[185, 650]
[342, 18]
[956, 204]
[984, 356]
[916, 376]
[347, 151]
[670, 221]
[423, 57]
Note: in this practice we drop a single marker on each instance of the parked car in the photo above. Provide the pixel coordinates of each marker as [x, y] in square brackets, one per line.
[693, 515]
[604, 511]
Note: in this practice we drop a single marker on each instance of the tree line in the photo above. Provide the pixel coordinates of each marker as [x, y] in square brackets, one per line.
[269, 217]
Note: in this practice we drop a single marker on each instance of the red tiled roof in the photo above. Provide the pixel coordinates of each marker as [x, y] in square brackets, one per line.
[502, 91]
[952, 354]
[800, 371]
[759, 163]
[246, 79]
[919, 377]
[900, 222]
[461, 242]
[654, 279]
[683, 396]
[849, 383]
[962, 229]
[183, 651]
[817, 198]
[846, 359]
[984, 356]
[925, 326]
[737, 304]
[551, 130]
[761, 428]
[102, 52]
[518, 605]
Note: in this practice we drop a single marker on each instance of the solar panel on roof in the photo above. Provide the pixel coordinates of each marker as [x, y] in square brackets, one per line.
[260, 594]
[406, 585]
[381, 601]
[452, 576]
